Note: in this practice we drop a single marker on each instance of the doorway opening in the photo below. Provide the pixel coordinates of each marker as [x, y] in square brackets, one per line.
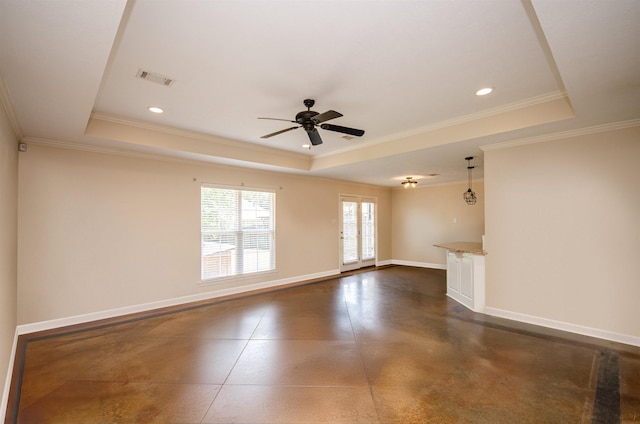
[357, 232]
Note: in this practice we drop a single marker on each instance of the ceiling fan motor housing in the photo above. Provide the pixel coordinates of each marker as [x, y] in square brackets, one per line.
[304, 119]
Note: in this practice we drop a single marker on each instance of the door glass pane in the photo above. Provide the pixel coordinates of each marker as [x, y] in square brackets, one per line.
[349, 232]
[368, 228]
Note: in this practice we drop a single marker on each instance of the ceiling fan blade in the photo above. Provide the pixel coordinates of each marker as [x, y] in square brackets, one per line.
[279, 132]
[278, 119]
[314, 136]
[346, 130]
[330, 114]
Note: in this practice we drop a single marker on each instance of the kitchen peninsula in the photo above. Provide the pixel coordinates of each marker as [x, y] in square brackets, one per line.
[465, 273]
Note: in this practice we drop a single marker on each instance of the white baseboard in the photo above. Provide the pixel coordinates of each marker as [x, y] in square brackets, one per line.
[126, 310]
[564, 326]
[418, 264]
[7, 383]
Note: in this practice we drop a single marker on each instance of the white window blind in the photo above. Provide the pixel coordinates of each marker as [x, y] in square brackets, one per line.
[237, 231]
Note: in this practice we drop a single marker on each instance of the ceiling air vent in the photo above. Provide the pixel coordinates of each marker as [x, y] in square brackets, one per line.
[154, 77]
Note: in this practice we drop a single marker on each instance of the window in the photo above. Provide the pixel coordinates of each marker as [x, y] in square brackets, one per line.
[237, 231]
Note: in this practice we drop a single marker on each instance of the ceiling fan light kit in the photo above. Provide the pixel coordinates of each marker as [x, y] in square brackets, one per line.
[409, 183]
[309, 119]
[469, 195]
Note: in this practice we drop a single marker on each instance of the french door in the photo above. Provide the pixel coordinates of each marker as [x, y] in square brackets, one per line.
[357, 232]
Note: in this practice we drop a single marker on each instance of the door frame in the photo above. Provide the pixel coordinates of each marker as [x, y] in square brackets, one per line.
[360, 263]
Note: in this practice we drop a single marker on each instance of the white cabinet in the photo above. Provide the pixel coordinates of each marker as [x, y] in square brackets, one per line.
[465, 279]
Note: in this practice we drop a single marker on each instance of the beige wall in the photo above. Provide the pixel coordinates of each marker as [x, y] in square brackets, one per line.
[100, 231]
[8, 242]
[425, 215]
[563, 231]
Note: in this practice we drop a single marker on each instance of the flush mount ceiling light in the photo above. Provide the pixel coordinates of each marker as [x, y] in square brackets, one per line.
[155, 109]
[469, 195]
[409, 182]
[484, 91]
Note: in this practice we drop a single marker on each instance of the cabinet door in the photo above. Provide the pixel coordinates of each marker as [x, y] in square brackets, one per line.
[466, 276]
[453, 272]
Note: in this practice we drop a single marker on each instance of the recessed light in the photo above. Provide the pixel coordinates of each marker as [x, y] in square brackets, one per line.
[306, 146]
[155, 109]
[484, 91]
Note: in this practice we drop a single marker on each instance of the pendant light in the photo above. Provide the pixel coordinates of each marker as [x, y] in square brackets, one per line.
[469, 195]
[409, 182]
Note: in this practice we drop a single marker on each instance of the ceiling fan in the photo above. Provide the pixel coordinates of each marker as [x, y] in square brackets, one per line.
[308, 119]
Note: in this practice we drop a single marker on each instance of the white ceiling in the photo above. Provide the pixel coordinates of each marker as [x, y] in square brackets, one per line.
[404, 71]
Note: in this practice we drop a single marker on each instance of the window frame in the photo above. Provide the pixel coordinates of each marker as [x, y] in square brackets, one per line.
[239, 233]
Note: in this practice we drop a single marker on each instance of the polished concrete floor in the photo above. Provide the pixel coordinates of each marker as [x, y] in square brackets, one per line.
[380, 346]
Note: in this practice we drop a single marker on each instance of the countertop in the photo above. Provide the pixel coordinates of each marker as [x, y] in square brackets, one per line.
[463, 247]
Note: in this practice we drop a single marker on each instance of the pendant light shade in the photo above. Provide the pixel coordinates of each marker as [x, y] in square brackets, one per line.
[469, 195]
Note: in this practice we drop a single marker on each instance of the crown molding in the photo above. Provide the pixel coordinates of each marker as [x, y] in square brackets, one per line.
[194, 145]
[102, 149]
[192, 135]
[562, 135]
[126, 152]
[157, 127]
[7, 105]
[172, 159]
[543, 98]
[169, 157]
